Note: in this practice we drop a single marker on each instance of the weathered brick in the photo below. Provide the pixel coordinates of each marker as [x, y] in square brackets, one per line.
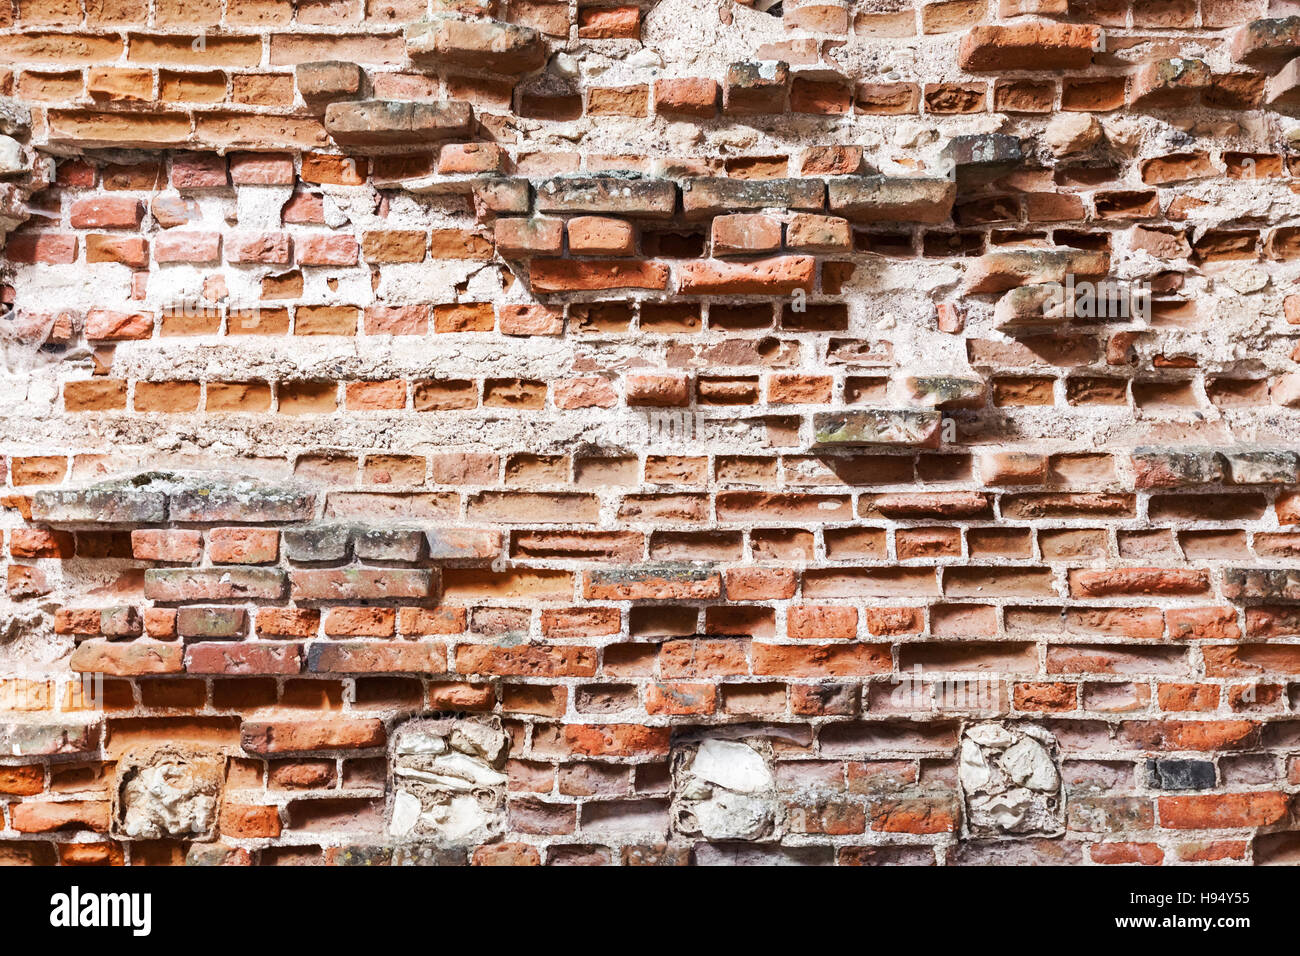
[324, 734]
[360, 584]
[608, 195]
[382, 123]
[891, 198]
[1023, 46]
[484, 44]
[213, 584]
[712, 197]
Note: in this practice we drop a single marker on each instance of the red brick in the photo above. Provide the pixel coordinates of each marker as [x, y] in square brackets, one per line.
[106, 212]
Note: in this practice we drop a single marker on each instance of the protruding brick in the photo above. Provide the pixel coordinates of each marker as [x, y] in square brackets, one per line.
[885, 427]
[381, 123]
[612, 195]
[1028, 46]
[327, 80]
[482, 44]
[686, 97]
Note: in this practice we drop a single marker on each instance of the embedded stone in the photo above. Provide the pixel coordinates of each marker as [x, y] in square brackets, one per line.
[1010, 780]
[328, 80]
[120, 621]
[462, 544]
[1160, 468]
[502, 196]
[725, 790]
[1177, 81]
[15, 119]
[387, 544]
[1262, 467]
[363, 855]
[1173, 774]
[756, 86]
[360, 584]
[211, 622]
[661, 582]
[1264, 41]
[247, 502]
[112, 503]
[166, 792]
[1072, 133]
[1261, 584]
[44, 737]
[213, 584]
[216, 854]
[13, 160]
[449, 785]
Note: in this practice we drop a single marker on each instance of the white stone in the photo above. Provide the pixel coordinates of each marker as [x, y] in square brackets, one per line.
[461, 820]
[417, 743]
[468, 768]
[406, 811]
[12, 160]
[1007, 809]
[1009, 779]
[564, 64]
[1125, 132]
[974, 769]
[732, 765]
[259, 206]
[1247, 279]
[437, 780]
[644, 59]
[452, 791]
[480, 740]
[1029, 765]
[733, 816]
[991, 735]
[162, 804]
[725, 790]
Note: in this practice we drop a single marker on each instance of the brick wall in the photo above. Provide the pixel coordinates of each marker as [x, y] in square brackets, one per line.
[521, 432]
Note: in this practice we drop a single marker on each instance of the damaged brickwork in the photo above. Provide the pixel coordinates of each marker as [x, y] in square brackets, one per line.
[515, 432]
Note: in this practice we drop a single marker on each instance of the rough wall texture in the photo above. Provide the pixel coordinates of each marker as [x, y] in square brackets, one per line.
[508, 431]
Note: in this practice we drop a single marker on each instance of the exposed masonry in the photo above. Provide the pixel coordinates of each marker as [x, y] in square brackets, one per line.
[679, 432]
